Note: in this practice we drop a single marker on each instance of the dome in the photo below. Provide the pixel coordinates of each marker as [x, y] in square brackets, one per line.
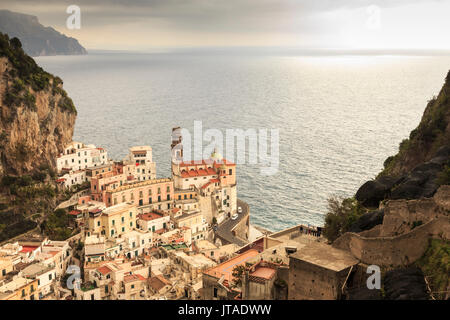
[216, 155]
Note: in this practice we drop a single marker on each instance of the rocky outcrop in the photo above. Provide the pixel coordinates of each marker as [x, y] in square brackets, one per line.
[37, 40]
[36, 116]
[405, 284]
[417, 170]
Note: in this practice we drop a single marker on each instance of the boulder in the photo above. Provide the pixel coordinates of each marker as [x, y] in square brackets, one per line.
[405, 284]
[367, 221]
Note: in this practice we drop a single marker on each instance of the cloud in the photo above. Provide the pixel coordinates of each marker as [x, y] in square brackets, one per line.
[208, 20]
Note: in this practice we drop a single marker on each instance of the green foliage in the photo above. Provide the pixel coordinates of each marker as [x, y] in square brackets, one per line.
[342, 213]
[56, 225]
[444, 176]
[416, 224]
[26, 73]
[237, 273]
[22, 152]
[435, 264]
[14, 225]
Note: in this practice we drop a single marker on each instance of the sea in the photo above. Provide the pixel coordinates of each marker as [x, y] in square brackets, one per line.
[339, 116]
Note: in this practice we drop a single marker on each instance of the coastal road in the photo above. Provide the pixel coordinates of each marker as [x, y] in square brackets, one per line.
[224, 231]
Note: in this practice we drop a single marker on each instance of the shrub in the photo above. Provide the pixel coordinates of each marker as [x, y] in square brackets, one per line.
[342, 213]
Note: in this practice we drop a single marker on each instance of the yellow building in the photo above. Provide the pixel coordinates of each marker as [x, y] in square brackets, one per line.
[20, 288]
[113, 221]
[6, 266]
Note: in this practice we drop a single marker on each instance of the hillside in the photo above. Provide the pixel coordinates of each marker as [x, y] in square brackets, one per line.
[37, 119]
[37, 40]
[400, 220]
[422, 163]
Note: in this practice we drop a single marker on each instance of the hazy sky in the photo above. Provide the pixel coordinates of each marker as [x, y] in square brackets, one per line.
[342, 24]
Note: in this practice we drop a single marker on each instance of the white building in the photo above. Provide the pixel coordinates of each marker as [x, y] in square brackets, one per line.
[45, 274]
[141, 157]
[78, 156]
[72, 178]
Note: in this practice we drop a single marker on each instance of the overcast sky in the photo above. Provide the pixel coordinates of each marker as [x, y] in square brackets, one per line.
[341, 24]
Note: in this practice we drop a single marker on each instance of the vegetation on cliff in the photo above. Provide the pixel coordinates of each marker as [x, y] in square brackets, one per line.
[435, 264]
[417, 170]
[36, 122]
[27, 74]
[341, 215]
[432, 134]
[36, 114]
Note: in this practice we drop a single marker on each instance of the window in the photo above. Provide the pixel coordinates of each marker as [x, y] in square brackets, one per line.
[168, 188]
[179, 197]
[149, 192]
[150, 200]
[159, 198]
[113, 222]
[215, 293]
[123, 219]
[3, 272]
[140, 194]
[230, 172]
[131, 224]
[131, 214]
[132, 286]
[123, 229]
[168, 197]
[98, 223]
[50, 277]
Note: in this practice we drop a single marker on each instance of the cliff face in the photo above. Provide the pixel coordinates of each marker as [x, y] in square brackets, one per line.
[37, 40]
[36, 116]
[432, 134]
[423, 161]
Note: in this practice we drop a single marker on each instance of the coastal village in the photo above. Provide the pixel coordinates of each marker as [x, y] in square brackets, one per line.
[142, 237]
[189, 236]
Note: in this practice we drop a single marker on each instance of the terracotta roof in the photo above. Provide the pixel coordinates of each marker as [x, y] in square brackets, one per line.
[206, 185]
[150, 216]
[158, 282]
[264, 272]
[225, 269]
[28, 248]
[175, 210]
[133, 277]
[74, 212]
[104, 270]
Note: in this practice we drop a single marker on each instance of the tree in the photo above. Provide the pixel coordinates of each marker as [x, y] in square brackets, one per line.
[15, 42]
[342, 213]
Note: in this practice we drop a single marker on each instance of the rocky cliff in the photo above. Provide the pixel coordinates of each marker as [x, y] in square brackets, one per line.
[423, 161]
[37, 40]
[36, 116]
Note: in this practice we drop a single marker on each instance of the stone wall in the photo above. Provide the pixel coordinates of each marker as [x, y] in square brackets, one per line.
[399, 250]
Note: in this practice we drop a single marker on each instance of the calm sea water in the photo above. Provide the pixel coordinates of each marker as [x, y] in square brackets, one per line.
[339, 116]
